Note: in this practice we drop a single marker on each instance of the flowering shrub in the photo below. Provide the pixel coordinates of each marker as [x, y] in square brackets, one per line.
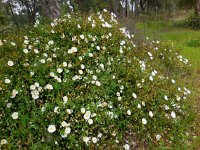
[82, 83]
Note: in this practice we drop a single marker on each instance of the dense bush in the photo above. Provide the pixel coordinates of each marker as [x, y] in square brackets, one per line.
[192, 22]
[83, 83]
[194, 43]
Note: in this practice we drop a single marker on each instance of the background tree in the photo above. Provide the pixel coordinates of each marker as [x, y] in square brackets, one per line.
[50, 8]
[197, 8]
[191, 4]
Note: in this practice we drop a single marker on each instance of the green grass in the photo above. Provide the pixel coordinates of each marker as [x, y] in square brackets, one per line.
[165, 31]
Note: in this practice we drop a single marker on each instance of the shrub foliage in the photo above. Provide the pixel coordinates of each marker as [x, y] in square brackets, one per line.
[82, 83]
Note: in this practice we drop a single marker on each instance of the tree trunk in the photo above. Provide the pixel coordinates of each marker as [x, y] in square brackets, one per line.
[126, 8]
[136, 8]
[50, 8]
[142, 5]
[197, 8]
[116, 6]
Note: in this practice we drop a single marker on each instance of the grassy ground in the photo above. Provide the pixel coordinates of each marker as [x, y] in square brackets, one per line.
[188, 41]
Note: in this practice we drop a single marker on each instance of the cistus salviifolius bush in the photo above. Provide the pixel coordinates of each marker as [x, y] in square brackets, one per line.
[82, 83]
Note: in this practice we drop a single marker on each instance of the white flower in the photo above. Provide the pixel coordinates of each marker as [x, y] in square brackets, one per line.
[173, 81]
[10, 63]
[80, 71]
[122, 42]
[86, 139]
[43, 109]
[94, 140]
[88, 112]
[67, 130]
[144, 121]
[65, 99]
[42, 61]
[36, 51]
[32, 87]
[89, 18]
[54, 55]
[14, 93]
[165, 97]
[153, 74]
[9, 105]
[3, 142]
[7, 81]
[90, 121]
[82, 110]
[13, 44]
[173, 115]
[26, 42]
[105, 10]
[63, 124]
[94, 77]
[56, 109]
[98, 83]
[69, 111]
[64, 64]
[1, 43]
[69, 65]
[82, 36]
[93, 114]
[126, 147]
[25, 51]
[107, 25]
[51, 128]
[98, 48]
[119, 98]
[158, 137]
[70, 51]
[35, 94]
[49, 59]
[30, 47]
[102, 66]
[188, 91]
[134, 95]
[178, 98]
[15, 115]
[74, 49]
[36, 84]
[82, 66]
[151, 78]
[90, 55]
[129, 112]
[166, 107]
[48, 87]
[59, 80]
[86, 116]
[149, 53]
[76, 77]
[32, 73]
[139, 106]
[99, 135]
[143, 103]
[150, 113]
[51, 42]
[59, 70]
